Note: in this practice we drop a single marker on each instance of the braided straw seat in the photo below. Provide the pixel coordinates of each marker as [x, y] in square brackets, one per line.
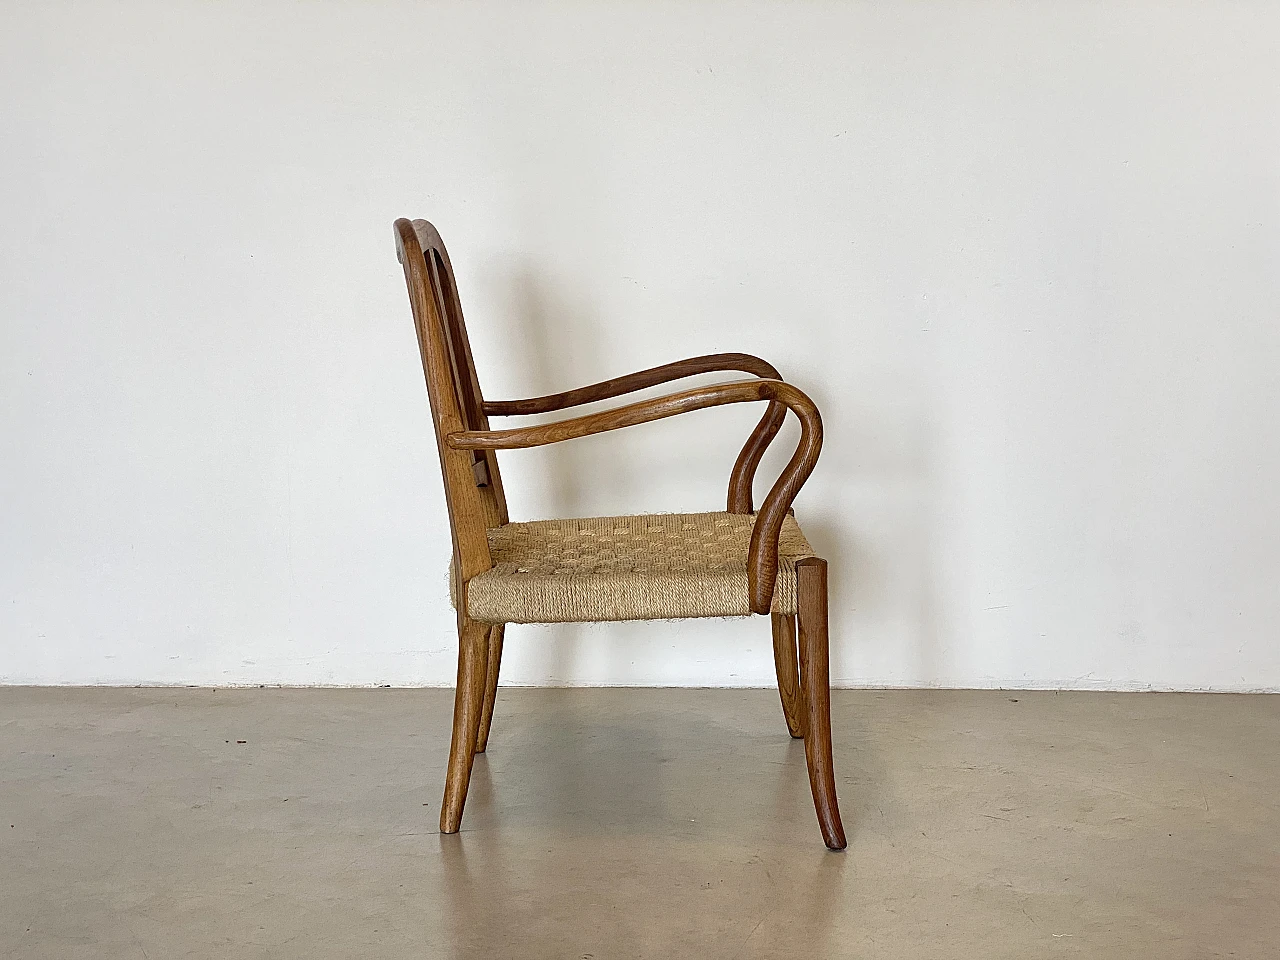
[649, 567]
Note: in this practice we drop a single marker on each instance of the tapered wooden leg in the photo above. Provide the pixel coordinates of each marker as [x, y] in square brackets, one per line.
[784, 660]
[811, 577]
[473, 652]
[490, 685]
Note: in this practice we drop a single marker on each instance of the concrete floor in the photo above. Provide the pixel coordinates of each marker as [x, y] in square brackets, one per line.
[636, 823]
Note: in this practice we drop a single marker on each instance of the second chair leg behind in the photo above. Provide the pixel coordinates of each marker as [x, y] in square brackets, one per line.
[491, 685]
[786, 663]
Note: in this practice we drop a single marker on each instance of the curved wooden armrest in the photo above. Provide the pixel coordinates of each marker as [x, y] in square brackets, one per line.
[607, 389]
[762, 557]
[744, 469]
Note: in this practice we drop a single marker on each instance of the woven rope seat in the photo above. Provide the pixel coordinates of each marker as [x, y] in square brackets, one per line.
[649, 567]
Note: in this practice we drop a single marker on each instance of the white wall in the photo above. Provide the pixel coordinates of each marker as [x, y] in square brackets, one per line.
[1022, 254]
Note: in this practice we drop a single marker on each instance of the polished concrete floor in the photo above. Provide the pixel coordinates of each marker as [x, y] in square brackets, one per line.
[163, 823]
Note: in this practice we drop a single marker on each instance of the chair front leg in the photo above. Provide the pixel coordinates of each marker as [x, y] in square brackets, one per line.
[473, 654]
[784, 661]
[491, 685]
[811, 586]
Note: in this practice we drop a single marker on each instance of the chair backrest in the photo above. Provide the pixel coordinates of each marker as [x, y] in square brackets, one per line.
[472, 483]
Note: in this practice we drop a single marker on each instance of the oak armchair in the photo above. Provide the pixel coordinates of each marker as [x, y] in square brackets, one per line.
[735, 563]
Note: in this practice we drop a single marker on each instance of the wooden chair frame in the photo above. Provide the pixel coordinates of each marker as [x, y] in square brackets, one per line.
[476, 503]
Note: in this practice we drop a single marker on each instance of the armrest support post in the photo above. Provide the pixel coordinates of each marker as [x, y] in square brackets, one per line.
[762, 556]
[744, 469]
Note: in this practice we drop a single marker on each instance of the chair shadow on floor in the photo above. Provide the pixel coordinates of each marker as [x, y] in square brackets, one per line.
[583, 761]
[574, 816]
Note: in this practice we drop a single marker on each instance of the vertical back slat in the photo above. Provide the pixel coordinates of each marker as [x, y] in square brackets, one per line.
[464, 379]
[473, 485]
[467, 384]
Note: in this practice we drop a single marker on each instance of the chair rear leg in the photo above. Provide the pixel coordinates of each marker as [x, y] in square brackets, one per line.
[491, 685]
[784, 661]
[811, 586]
[473, 652]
